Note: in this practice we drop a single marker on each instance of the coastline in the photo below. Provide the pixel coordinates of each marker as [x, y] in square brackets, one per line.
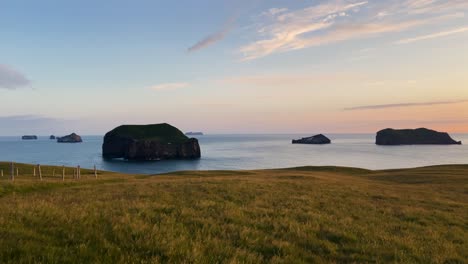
[28, 168]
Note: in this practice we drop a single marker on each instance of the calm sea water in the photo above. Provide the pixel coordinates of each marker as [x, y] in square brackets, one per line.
[229, 152]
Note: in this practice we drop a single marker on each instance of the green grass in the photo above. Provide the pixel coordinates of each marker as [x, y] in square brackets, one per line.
[157, 132]
[300, 215]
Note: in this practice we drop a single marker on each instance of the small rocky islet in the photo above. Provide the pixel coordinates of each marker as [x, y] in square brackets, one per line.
[149, 142]
[319, 139]
[72, 138]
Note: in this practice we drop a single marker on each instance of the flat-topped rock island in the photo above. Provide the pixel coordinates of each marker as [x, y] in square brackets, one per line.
[149, 142]
[29, 137]
[420, 136]
[314, 140]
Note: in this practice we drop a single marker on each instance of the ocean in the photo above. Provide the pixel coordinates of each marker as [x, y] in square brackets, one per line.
[242, 152]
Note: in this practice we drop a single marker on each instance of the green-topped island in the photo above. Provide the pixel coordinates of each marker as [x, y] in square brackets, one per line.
[149, 142]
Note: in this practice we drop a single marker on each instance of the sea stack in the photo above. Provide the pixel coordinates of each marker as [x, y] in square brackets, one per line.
[29, 137]
[72, 138]
[420, 136]
[317, 140]
[149, 142]
[52, 137]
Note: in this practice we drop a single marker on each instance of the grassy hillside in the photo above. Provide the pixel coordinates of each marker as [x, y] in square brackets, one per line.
[302, 215]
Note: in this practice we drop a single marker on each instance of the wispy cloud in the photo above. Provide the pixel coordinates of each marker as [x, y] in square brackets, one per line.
[401, 105]
[434, 35]
[340, 20]
[210, 40]
[214, 37]
[431, 6]
[286, 29]
[169, 86]
[12, 79]
[25, 118]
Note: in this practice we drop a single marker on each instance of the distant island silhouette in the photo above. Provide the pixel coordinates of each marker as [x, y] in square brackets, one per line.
[194, 134]
[29, 137]
[314, 140]
[420, 136]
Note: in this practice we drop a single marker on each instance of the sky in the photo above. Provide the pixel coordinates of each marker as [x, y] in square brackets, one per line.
[225, 66]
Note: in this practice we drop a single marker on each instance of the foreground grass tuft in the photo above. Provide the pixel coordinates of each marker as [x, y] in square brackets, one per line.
[301, 215]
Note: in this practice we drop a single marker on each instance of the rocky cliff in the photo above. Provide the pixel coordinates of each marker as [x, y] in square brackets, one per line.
[420, 136]
[149, 142]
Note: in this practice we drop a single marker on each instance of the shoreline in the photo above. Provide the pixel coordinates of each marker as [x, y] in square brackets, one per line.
[5, 165]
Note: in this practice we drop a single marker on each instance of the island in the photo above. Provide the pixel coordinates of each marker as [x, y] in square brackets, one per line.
[29, 137]
[316, 140]
[72, 138]
[194, 134]
[52, 137]
[148, 143]
[420, 136]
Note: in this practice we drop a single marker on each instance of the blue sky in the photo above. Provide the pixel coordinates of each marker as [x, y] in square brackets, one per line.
[233, 66]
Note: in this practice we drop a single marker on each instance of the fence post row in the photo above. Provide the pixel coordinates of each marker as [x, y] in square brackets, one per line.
[76, 172]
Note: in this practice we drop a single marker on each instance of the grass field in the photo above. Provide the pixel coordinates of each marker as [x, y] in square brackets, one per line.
[301, 215]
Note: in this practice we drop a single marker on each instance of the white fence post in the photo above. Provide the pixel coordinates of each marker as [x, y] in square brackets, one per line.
[12, 167]
[39, 171]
